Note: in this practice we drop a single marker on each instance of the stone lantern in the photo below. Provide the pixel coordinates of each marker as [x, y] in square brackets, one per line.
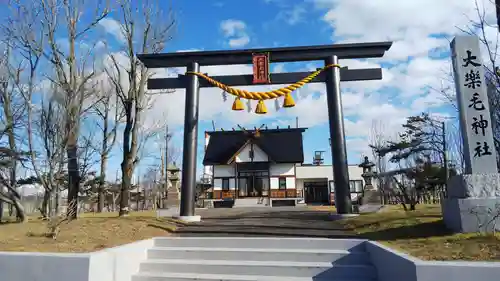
[368, 174]
[173, 196]
[370, 195]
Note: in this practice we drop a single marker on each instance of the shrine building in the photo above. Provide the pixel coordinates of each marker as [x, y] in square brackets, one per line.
[266, 167]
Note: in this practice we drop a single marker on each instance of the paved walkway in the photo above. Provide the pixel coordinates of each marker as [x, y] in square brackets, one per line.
[277, 221]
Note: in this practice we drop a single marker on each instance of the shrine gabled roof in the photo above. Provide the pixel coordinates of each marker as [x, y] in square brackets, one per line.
[280, 145]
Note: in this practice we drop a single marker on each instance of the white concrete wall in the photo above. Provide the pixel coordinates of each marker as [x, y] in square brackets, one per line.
[325, 171]
[44, 266]
[282, 169]
[114, 264]
[224, 171]
[118, 263]
[258, 154]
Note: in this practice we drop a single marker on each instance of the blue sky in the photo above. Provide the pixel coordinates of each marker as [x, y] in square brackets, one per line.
[415, 70]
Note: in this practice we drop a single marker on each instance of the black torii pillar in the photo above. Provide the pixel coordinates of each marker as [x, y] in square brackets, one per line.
[330, 54]
[337, 137]
[190, 144]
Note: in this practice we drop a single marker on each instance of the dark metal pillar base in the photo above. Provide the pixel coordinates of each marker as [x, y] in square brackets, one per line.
[337, 136]
[188, 180]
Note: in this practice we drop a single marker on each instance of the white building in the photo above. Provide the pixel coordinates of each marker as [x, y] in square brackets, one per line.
[265, 167]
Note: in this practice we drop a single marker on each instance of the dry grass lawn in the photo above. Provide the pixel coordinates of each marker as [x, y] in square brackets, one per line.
[422, 234]
[322, 208]
[88, 233]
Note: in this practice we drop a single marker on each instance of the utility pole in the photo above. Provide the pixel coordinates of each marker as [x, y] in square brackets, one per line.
[167, 138]
[138, 190]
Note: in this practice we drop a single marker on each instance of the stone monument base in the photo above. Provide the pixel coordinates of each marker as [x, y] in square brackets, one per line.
[188, 218]
[174, 213]
[472, 203]
[468, 215]
[473, 186]
[173, 199]
[167, 213]
[371, 196]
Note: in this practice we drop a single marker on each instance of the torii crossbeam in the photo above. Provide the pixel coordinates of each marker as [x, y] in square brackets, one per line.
[332, 76]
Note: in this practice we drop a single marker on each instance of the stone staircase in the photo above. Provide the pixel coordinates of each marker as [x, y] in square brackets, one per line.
[256, 259]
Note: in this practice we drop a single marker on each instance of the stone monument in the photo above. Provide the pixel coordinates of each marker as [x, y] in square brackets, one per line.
[472, 202]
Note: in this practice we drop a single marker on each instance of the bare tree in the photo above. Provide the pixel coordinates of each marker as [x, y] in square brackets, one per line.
[71, 73]
[109, 114]
[152, 187]
[455, 146]
[36, 26]
[10, 195]
[20, 34]
[12, 119]
[377, 139]
[148, 35]
[21, 64]
[89, 151]
[50, 132]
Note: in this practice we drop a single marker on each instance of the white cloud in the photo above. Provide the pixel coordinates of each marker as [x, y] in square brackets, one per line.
[408, 71]
[292, 14]
[235, 31]
[114, 28]
[418, 28]
[396, 20]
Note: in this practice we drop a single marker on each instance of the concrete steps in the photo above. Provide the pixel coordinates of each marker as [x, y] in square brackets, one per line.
[262, 242]
[260, 254]
[256, 258]
[225, 277]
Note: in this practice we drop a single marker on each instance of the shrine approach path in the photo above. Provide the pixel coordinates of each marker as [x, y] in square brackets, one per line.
[265, 221]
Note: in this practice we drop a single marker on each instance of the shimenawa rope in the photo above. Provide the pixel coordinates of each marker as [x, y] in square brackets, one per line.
[262, 95]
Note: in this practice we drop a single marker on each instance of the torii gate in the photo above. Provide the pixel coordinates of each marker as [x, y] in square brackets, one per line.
[331, 74]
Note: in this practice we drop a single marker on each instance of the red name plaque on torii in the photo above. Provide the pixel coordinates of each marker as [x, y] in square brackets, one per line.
[261, 68]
